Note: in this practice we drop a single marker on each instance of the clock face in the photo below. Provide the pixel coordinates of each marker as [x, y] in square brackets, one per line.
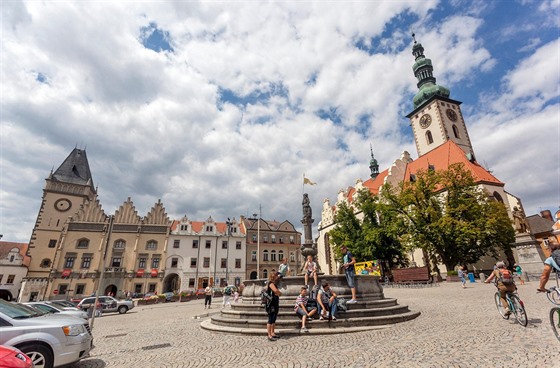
[62, 205]
[425, 121]
[452, 115]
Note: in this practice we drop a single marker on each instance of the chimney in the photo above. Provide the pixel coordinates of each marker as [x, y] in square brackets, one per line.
[547, 215]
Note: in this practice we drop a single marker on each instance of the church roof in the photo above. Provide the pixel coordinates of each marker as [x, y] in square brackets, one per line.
[539, 224]
[75, 169]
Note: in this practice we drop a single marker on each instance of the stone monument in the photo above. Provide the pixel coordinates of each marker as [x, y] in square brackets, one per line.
[528, 251]
[308, 247]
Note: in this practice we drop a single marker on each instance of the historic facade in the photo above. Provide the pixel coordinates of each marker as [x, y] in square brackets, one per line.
[441, 139]
[13, 268]
[267, 243]
[205, 252]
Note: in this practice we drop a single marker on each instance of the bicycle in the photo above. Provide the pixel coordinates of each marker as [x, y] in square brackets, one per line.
[516, 307]
[553, 294]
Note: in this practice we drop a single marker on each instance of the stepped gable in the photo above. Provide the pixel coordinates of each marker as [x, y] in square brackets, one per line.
[90, 211]
[6, 247]
[127, 214]
[74, 169]
[157, 215]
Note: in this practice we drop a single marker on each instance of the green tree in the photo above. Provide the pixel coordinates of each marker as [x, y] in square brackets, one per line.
[450, 217]
[374, 236]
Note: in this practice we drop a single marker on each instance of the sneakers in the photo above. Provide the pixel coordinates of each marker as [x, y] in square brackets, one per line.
[321, 318]
[333, 318]
[351, 301]
[272, 338]
[304, 329]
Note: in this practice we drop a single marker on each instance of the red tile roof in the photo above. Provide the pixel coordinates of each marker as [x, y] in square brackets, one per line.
[6, 247]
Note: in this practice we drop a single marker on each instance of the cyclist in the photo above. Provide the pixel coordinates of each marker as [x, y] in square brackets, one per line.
[549, 264]
[504, 283]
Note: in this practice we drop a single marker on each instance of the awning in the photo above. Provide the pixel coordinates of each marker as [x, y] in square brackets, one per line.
[67, 272]
[140, 272]
[154, 272]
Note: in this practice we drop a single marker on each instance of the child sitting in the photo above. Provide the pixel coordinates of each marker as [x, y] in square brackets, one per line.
[301, 309]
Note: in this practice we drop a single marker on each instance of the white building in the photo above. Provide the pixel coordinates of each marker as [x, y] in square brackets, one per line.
[13, 268]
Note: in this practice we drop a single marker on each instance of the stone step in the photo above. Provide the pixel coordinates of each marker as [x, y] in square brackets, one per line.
[218, 323]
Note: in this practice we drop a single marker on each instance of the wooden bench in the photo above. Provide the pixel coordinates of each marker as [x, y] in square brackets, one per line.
[411, 275]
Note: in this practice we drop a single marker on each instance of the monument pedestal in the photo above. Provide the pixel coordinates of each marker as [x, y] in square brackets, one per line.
[528, 254]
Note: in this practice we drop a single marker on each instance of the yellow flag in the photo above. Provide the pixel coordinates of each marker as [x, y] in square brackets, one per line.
[307, 181]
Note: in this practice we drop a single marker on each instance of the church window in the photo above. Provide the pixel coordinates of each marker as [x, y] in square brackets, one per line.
[498, 197]
[429, 137]
[151, 245]
[455, 131]
[46, 263]
[82, 243]
[52, 243]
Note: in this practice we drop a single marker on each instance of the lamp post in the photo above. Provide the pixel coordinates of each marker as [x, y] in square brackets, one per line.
[228, 230]
[101, 276]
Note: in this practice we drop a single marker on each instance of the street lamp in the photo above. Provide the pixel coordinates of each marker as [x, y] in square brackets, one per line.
[258, 243]
[228, 230]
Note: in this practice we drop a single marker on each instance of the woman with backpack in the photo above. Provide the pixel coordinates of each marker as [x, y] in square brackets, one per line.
[273, 306]
[504, 283]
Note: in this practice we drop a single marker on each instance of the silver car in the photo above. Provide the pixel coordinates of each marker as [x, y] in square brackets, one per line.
[108, 304]
[49, 340]
[51, 308]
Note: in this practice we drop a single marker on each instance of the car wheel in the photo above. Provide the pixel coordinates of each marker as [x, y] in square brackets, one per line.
[123, 309]
[40, 355]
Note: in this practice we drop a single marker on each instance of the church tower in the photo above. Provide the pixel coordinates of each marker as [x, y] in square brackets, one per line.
[66, 189]
[436, 118]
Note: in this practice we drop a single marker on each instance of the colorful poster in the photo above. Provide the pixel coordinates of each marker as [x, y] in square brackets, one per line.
[367, 268]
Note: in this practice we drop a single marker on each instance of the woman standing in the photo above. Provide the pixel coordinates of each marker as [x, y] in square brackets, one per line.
[273, 306]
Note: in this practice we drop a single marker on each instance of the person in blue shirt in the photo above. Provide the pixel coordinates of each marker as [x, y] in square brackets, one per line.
[350, 272]
[549, 264]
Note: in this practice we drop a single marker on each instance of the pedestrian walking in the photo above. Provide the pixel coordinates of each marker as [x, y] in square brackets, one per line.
[461, 273]
[208, 296]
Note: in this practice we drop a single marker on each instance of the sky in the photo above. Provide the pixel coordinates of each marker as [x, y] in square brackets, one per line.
[219, 108]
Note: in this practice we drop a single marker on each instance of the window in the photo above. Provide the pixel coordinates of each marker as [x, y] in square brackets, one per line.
[80, 288]
[224, 244]
[223, 263]
[291, 239]
[234, 230]
[193, 262]
[273, 255]
[82, 244]
[265, 255]
[455, 131]
[86, 261]
[254, 255]
[119, 244]
[195, 243]
[280, 255]
[142, 262]
[46, 263]
[62, 289]
[184, 227]
[238, 263]
[254, 237]
[116, 262]
[281, 240]
[10, 279]
[12, 257]
[52, 243]
[209, 228]
[292, 257]
[191, 283]
[206, 263]
[151, 245]
[174, 262]
[69, 261]
[151, 288]
[138, 288]
[265, 274]
[176, 243]
[265, 238]
[429, 137]
[238, 245]
[273, 238]
[155, 262]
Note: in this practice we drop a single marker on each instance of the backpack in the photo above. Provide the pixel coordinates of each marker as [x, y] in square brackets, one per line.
[341, 304]
[506, 277]
[266, 297]
[227, 290]
[556, 256]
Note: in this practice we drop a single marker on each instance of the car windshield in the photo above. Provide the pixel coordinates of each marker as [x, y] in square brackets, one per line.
[18, 311]
[62, 303]
[44, 308]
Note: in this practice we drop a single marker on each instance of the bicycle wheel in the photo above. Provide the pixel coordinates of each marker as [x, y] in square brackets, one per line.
[555, 321]
[519, 310]
[554, 296]
[500, 307]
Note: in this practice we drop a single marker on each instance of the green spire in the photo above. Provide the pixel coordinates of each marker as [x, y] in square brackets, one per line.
[373, 166]
[423, 70]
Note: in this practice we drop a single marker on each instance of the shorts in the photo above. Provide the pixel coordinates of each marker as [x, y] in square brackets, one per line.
[350, 273]
[302, 313]
[272, 315]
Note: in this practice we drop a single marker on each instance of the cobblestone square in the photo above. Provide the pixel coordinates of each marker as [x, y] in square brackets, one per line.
[457, 328]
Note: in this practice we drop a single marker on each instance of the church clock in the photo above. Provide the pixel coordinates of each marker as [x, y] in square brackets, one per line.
[62, 205]
[452, 115]
[425, 121]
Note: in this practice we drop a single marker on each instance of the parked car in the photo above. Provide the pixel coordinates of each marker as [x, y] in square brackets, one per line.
[108, 304]
[13, 358]
[52, 308]
[65, 304]
[49, 340]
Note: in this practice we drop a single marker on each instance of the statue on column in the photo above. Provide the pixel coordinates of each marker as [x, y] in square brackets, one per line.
[519, 221]
[308, 247]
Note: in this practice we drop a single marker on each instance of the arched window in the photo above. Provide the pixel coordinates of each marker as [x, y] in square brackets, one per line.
[273, 255]
[82, 243]
[498, 197]
[429, 137]
[265, 274]
[280, 255]
[455, 131]
[151, 245]
[265, 255]
[119, 244]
